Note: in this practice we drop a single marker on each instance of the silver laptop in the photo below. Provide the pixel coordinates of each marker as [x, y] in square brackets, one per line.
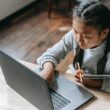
[62, 95]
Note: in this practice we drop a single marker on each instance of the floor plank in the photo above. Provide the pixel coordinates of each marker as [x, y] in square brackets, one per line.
[30, 34]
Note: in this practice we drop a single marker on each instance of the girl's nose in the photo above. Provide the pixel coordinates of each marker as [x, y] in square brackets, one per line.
[79, 37]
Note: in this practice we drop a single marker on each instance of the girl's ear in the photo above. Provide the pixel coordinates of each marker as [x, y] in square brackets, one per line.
[104, 33]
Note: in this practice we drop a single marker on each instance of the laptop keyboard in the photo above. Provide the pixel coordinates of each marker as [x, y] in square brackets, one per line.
[58, 100]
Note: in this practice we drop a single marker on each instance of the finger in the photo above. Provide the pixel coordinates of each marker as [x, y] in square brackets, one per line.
[50, 80]
[77, 76]
[81, 78]
[77, 80]
[80, 73]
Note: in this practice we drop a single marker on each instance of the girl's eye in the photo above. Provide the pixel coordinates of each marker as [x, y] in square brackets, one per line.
[87, 36]
[75, 31]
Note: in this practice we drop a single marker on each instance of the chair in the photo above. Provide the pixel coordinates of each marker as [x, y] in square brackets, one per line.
[50, 5]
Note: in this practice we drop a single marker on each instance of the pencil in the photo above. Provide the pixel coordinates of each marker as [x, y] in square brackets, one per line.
[80, 73]
[95, 76]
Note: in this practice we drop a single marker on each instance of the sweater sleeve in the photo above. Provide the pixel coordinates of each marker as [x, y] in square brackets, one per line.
[58, 51]
[106, 81]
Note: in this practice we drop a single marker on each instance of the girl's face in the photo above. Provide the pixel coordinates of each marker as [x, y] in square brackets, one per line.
[87, 36]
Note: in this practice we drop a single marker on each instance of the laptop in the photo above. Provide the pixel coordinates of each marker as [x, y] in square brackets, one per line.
[61, 95]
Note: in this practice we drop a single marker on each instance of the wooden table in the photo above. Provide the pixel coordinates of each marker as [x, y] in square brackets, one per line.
[11, 100]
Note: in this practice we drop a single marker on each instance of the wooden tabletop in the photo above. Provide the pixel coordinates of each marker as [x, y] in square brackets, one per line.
[11, 100]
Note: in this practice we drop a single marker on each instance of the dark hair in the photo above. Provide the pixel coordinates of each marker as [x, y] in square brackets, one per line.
[96, 14]
[93, 13]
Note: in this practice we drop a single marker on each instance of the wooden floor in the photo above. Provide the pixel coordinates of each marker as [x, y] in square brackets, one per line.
[30, 34]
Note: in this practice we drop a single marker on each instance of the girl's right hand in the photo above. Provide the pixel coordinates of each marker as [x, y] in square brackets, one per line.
[47, 75]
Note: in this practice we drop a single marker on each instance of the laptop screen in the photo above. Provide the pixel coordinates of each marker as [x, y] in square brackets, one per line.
[36, 90]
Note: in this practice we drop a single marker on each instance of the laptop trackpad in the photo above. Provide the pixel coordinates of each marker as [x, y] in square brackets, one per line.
[69, 89]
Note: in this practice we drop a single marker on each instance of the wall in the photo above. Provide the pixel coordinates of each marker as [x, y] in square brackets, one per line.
[7, 7]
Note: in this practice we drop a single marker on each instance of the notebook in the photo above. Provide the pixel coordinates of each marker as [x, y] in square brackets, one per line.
[96, 76]
[62, 95]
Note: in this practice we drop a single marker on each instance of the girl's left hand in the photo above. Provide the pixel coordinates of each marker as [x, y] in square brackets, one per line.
[95, 83]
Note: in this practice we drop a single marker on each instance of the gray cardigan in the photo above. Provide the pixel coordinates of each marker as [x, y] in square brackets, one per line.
[91, 56]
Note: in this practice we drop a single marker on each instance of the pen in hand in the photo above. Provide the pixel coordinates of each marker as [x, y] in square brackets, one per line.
[80, 73]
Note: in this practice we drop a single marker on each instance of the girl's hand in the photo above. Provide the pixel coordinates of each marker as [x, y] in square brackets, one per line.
[47, 75]
[95, 83]
[79, 75]
[48, 72]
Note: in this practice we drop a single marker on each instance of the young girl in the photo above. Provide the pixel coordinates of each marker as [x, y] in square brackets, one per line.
[89, 39]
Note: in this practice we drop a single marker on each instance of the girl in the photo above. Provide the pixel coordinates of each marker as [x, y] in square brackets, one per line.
[89, 39]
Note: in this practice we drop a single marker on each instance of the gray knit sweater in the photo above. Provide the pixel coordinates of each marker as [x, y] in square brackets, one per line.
[91, 56]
